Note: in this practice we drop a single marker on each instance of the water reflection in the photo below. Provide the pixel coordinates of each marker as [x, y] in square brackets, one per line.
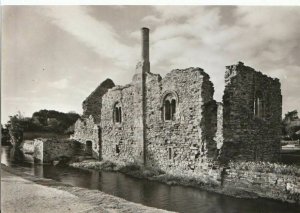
[175, 198]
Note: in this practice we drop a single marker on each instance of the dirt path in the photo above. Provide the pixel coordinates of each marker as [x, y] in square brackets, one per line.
[31, 194]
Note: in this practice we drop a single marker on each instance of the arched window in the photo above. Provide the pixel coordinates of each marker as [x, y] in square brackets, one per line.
[259, 105]
[169, 107]
[117, 113]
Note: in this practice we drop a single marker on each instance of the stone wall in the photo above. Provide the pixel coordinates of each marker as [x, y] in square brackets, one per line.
[248, 136]
[93, 103]
[187, 142]
[219, 134]
[252, 177]
[38, 150]
[48, 150]
[124, 141]
[118, 142]
[174, 122]
[184, 143]
[87, 130]
[200, 131]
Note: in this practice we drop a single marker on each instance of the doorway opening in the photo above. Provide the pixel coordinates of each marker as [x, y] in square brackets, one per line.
[88, 148]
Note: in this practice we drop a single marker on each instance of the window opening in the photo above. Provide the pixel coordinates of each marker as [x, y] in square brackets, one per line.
[173, 109]
[169, 109]
[170, 153]
[117, 113]
[117, 149]
[259, 105]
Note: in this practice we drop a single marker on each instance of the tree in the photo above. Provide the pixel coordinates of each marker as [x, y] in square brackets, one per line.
[43, 121]
[15, 129]
[291, 116]
[291, 124]
[4, 135]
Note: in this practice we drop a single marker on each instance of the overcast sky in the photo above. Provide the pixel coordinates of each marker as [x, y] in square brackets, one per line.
[53, 57]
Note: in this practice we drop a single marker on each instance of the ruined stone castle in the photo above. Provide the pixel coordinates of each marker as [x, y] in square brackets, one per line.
[173, 123]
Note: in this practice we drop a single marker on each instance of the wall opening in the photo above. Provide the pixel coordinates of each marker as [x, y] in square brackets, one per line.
[117, 113]
[167, 110]
[79, 148]
[88, 148]
[169, 107]
[170, 153]
[117, 149]
[259, 105]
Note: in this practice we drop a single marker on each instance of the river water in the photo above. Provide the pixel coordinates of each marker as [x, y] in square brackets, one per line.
[149, 193]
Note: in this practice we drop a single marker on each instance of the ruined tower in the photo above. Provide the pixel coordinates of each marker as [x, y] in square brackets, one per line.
[252, 115]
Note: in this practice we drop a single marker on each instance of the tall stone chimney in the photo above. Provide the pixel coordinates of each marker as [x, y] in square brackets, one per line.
[145, 44]
[139, 98]
[143, 65]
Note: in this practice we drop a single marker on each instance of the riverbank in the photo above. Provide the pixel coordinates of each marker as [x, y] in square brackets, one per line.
[153, 174]
[22, 192]
[238, 179]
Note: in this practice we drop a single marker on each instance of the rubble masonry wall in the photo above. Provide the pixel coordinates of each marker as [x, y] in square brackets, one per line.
[118, 142]
[247, 136]
[190, 136]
